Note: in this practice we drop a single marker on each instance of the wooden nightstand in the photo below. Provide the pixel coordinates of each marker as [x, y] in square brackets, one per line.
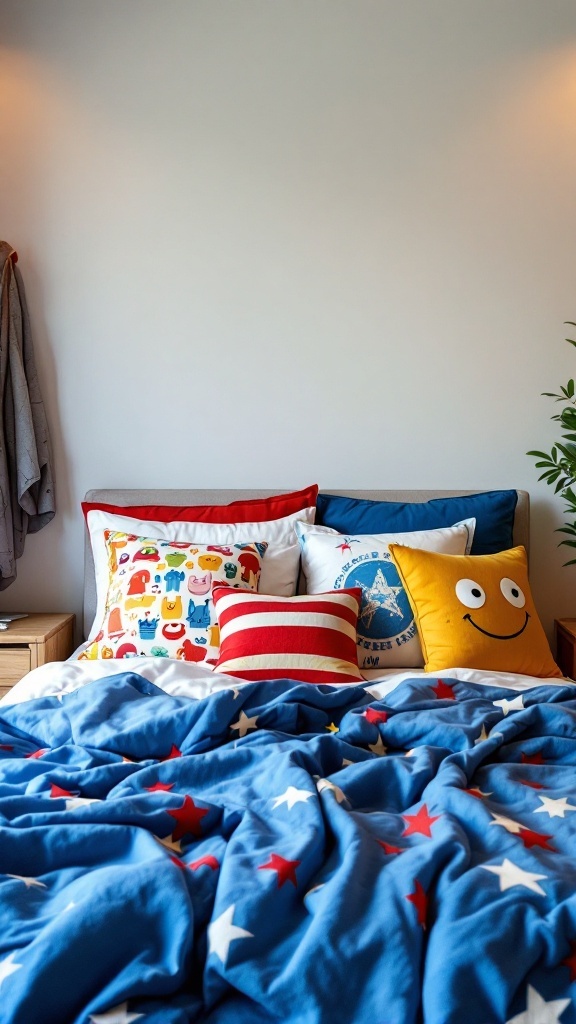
[33, 641]
[565, 631]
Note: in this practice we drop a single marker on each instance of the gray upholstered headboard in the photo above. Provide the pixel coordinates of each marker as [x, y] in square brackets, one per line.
[222, 497]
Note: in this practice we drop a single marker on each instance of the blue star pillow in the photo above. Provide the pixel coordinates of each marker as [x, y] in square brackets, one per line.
[387, 633]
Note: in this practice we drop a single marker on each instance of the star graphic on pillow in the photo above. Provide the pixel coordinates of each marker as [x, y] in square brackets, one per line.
[379, 595]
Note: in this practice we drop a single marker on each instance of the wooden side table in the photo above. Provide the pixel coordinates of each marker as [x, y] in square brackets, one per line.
[565, 632]
[33, 641]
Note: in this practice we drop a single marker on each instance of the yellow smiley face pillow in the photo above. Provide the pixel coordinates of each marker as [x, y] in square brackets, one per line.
[475, 611]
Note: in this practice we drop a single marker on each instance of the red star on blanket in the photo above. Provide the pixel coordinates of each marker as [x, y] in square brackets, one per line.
[38, 753]
[388, 848]
[188, 818]
[533, 758]
[208, 861]
[443, 691]
[56, 791]
[419, 822]
[160, 787]
[374, 717]
[533, 785]
[6, 746]
[420, 901]
[174, 752]
[286, 869]
[570, 961]
[530, 839]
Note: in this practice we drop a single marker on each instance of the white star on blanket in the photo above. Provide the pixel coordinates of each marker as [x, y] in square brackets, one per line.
[323, 784]
[244, 723]
[117, 1015]
[556, 808]
[315, 888]
[511, 874]
[222, 932]
[517, 704]
[80, 801]
[170, 844]
[292, 796]
[538, 1011]
[508, 823]
[7, 967]
[29, 881]
[483, 735]
[378, 747]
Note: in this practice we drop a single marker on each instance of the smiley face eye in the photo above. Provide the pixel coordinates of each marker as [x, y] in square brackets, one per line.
[470, 594]
[512, 592]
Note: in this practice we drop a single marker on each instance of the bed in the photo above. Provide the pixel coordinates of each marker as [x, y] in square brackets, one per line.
[283, 814]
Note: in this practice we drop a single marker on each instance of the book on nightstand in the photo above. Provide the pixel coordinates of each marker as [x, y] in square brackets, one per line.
[6, 619]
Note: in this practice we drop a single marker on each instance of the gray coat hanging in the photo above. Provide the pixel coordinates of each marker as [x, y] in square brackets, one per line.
[26, 484]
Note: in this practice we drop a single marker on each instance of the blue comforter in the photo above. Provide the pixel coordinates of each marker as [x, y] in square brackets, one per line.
[289, 852]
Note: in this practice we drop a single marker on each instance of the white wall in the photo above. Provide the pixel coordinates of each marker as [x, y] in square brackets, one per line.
[273, 243]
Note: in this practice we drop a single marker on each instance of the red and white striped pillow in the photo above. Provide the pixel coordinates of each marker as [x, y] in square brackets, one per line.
[310, 638]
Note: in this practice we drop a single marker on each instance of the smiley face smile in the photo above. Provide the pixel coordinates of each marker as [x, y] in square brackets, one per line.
[497, 636]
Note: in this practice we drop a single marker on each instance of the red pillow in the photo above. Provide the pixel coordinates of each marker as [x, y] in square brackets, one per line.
[250, 510]
[311, 638]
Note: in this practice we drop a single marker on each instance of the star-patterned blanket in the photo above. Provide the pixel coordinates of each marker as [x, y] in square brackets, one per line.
[288, 852]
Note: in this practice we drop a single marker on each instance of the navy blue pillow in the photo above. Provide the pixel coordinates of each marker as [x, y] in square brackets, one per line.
[493, 511]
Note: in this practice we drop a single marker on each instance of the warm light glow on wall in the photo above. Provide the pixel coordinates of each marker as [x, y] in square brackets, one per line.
[28, 97]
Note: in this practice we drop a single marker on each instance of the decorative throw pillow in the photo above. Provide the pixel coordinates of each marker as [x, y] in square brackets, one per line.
[308, 638]
[493, 511]
[279, 570]
[475, 611]
[246, 510]
[387, 635]
[159, 595]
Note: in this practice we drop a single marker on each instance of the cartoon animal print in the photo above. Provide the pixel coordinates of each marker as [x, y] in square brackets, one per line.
[173, 630]
[126, 651]
[212, 562]
[214, 636]
[113, 546]
[148, 552]
[144, 601]
[198, 615]
[175, 559]
[191, 652]
[200, 584]
[173, 579]
[172, 608]
[250, 566]
[147, 628]
[138, 581]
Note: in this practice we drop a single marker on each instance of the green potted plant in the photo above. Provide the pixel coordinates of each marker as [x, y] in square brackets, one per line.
[559, 465]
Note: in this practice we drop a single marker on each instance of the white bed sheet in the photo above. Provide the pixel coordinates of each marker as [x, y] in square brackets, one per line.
[188, 679]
